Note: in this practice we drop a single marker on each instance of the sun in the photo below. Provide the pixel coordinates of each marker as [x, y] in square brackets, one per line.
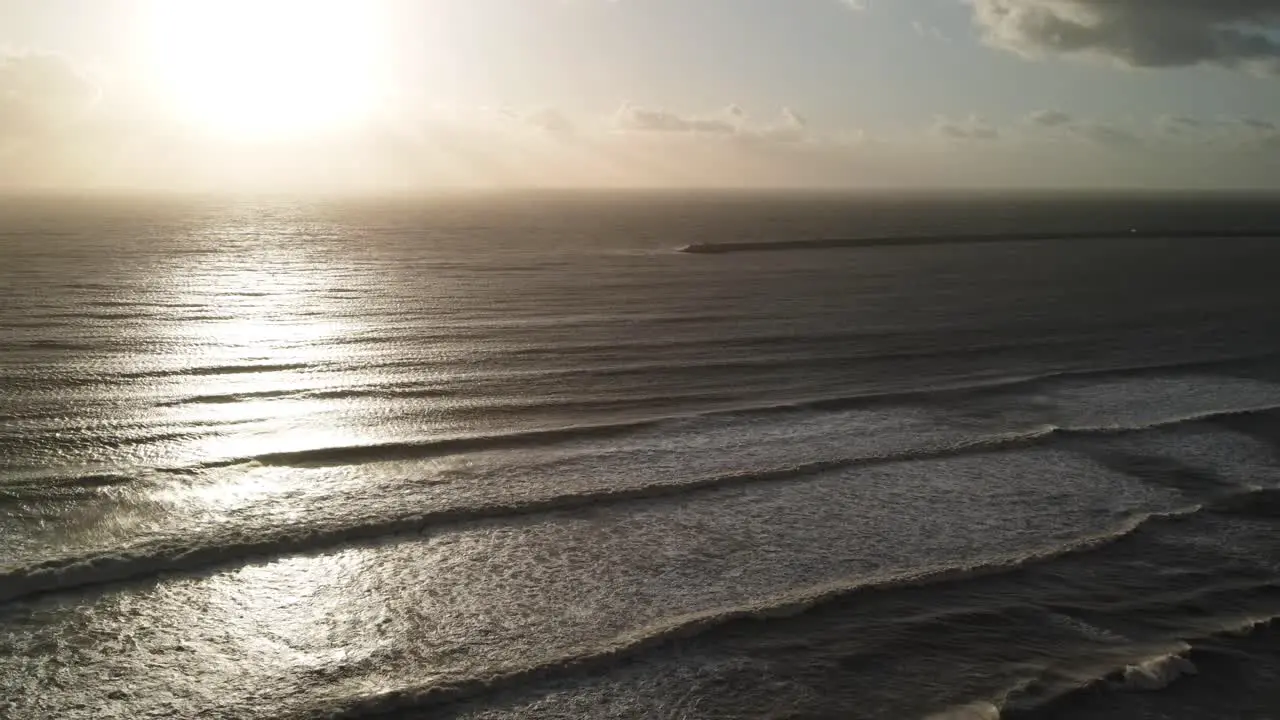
[254, 68]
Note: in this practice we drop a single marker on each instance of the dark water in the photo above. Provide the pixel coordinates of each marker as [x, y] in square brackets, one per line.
[515, 456]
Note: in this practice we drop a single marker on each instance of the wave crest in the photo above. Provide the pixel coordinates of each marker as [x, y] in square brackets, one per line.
[1158, 672]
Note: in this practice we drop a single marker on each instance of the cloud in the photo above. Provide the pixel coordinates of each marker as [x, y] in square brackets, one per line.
[59, 130]
[1139, 33]
[53, 128]
[970, 128]
[1042, 125]
[730, 123]
[1056, 123]
[927, 31]
[1105, 134]
[39, 94]
[1049, 118]
[1178, 125]
[638, 119]
[551, 121]
[1255, 133]
[1164, 135]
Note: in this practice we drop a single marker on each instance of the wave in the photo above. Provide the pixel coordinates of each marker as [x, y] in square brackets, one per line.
[142, 561]
[99, 315]
[49, 488]
[1010, 383]
[980, 710]
[39, 324]
[418, 391]
[723, 248]
[215, 370]
[61, 574]
[1153, 673]
[227, 398]
[143, 304]
[409, 450]
[1142, 673]
[459, 689]
[47, 344]
[1183, 419]
[380, 452]
[1259, 503]
[823, 403]
[1156, 673]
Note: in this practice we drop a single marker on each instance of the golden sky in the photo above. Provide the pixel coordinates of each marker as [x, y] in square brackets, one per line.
[413, 94]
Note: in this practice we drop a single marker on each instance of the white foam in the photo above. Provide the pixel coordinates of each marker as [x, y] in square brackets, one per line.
[1248, 626]
[973, 711]
[1103, 405]
[1158, 672]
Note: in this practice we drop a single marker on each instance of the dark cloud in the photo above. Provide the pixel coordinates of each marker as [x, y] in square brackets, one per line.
[1258, 133]
[971, 128]
[1139, 33]
[1260, 125]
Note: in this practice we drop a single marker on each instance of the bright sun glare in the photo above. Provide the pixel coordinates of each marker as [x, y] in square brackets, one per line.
[266, 67]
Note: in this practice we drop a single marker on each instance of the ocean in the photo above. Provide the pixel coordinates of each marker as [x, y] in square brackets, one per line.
[515, 455]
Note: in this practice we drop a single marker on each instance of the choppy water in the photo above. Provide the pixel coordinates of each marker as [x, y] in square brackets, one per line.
[517, 457]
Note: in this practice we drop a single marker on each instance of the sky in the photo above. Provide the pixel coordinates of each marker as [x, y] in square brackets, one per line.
[369, 95]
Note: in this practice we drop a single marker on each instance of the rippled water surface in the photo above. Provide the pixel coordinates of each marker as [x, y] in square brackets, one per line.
[514, 456]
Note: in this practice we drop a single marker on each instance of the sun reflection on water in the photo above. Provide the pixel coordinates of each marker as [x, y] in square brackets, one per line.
[246, 355]
[290, 626]
[267, 329]
[263, 337]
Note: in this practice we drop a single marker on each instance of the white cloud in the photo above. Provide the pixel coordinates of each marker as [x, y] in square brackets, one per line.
[549, 120]
[731, 123]
[40, 93]
[58, 130]
[927, 31]
[639, 119]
